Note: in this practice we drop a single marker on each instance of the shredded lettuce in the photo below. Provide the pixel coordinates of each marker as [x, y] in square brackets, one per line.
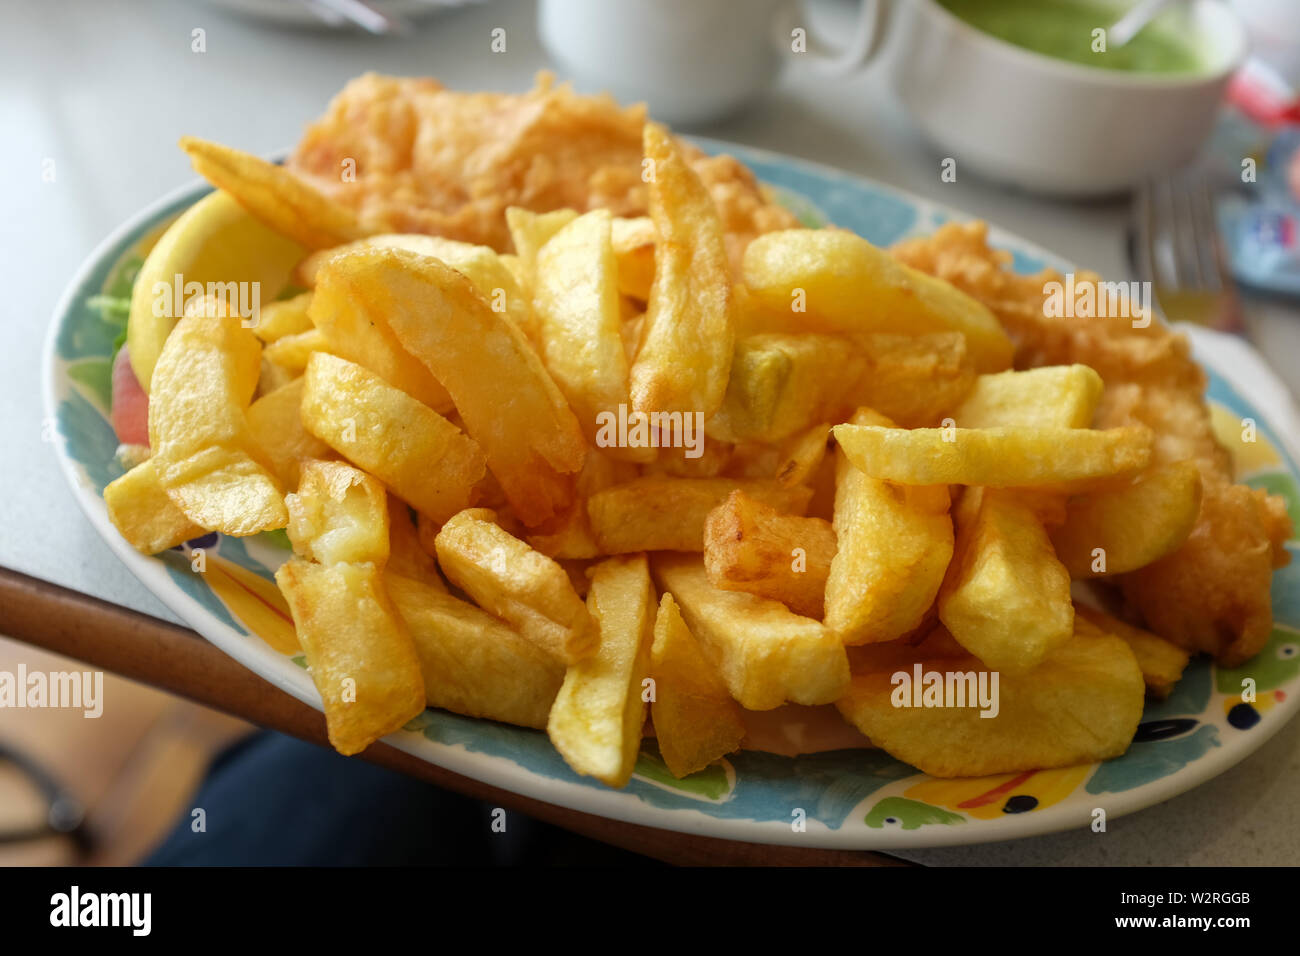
[113, 312]
[114, 303]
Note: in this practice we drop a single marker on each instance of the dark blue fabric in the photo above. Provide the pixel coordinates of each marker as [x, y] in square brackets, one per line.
[272, 800]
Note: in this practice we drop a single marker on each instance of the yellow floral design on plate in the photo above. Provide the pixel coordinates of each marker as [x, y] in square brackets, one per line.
[986, 798]
[1236, 434]
[255, 601]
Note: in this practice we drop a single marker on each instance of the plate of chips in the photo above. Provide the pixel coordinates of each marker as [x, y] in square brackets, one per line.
[415, 492]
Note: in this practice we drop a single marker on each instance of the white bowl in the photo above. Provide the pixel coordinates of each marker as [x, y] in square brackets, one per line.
[1051, 126]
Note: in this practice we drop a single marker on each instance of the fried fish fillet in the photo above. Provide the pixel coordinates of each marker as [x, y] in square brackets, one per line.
[409, 155]
[1212, 595]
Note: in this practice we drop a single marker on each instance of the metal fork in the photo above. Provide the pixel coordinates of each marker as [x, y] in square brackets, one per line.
[1178, 250]
[357, 12]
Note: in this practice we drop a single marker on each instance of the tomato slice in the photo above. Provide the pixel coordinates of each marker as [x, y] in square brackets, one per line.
[130, 414]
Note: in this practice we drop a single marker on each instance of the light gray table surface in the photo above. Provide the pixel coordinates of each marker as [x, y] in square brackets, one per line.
[105, 87]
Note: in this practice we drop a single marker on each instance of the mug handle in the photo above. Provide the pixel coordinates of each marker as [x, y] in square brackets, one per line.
[834, 59]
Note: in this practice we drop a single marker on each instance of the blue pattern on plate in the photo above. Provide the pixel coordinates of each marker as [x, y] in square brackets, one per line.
[180, 570]
[1191, 695]
[1152, 760]
[89, 439]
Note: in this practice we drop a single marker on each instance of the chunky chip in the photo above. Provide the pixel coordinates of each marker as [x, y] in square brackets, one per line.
[702, 458]
[782, 382]
[472, 663]
[634, 251]
[685, 354]
[664, 513]
[597, 717]
[696, 720]
[830, 280]
[1055, 396]
[766, 654]
[533, 442]
[292, 352]
[283, 318]
[516, 583]
[275, 422]
[341, 309]
[274, 378]
[407, 556]
[805, 456]
[274, 195]
[488, 271]
[894, 544]
[575, 299]
[913, 379]
[569, 535]
[204, 452]
[1162, 663]
[529, 231]
[425, 459]
[1119, 529]
[749, 546]
[1082, 704]
[361, 656]
[1006, 598]
[996, 457]
[338, 514]
[144, 514]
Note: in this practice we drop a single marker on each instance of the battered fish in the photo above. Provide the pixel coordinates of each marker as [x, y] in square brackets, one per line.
[409, 155]
[1212, 595]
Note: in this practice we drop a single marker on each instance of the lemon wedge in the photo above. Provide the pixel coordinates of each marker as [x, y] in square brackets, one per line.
[215, 240]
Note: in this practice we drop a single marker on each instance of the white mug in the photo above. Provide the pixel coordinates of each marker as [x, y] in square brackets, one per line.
[693, 61]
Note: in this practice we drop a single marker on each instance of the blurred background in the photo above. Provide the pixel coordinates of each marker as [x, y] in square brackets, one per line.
[1179, 166]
